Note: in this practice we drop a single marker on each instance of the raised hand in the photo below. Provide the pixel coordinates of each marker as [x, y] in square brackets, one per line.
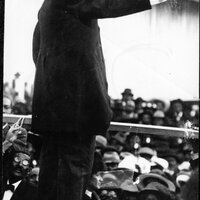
[12, 133]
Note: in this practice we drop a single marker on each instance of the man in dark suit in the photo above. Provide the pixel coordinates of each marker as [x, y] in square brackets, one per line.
[15, 185]
[70, 101]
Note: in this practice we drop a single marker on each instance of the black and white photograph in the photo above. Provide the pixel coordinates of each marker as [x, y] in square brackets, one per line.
[100, 99]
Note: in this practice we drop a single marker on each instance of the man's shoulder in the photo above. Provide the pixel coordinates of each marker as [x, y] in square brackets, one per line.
[26, 190]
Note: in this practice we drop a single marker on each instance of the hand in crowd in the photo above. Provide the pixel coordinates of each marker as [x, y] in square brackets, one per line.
[13, 133]
[15, 136]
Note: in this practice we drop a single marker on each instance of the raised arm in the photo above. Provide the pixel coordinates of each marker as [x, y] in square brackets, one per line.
[107, 8]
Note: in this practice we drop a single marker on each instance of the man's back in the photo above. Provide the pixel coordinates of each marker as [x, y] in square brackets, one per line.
[70, 83]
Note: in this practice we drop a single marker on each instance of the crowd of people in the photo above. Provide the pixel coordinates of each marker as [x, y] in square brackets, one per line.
[127, 166]
[155, 111]
[126, 109]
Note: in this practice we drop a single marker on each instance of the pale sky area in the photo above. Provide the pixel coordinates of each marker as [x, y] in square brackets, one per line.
[155, 53]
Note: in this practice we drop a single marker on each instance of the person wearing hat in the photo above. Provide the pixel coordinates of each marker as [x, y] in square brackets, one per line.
[128, 106]
[145, 117]
[129, 190]
[147, 153]
[155, 191]
[159, 163]
[182, 177]
[173, 161]
[108, 186]
[111, 158]
[15, 183]
[175, 115]
[118, 140]
[159, 118]
[144, 179]
[132, 143]
[101, 142]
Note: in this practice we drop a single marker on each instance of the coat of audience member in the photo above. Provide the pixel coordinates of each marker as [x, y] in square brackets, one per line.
[15, 183]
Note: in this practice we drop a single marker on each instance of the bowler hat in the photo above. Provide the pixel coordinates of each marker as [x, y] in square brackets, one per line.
[127, 91]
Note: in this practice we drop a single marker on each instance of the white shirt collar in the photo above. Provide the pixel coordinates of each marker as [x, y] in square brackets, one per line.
[15, 184]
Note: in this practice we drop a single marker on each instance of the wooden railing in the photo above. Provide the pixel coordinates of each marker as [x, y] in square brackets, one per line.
[126, 127]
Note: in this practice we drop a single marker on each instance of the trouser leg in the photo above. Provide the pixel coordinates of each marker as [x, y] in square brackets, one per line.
[48, 170]
[75, 166]
[66, 165]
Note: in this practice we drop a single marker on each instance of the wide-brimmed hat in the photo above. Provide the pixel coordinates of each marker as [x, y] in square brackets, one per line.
[160, 162]
[147, 151]
[183, 177]
[114, 179]
[129, 162]
[129, 186]
[111, 157]
[124, 154]
[159, 114]
[144, 179]
[101, 141]
[127, 91]
[158, 189]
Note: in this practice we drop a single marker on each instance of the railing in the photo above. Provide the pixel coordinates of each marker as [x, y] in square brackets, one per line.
[126, 127]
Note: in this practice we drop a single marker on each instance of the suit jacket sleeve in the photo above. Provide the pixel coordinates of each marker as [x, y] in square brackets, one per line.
[97, 9]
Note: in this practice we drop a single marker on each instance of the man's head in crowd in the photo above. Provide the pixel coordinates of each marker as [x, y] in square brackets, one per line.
[146, 153]
[133, 142]
[34, 175]
[177, 105]
[159, 118]
[145, 118]
[20, 166]
[7, 104]
[160, 104]
[127, 95]
[117, 141]
[111, 158]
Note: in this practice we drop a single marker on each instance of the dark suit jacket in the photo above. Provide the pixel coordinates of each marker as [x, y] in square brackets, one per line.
[25, 191]
[70, 91]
